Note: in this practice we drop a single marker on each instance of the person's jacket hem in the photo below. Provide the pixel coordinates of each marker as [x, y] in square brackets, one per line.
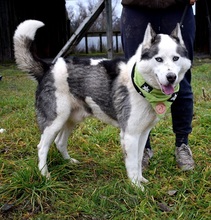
[155, 4]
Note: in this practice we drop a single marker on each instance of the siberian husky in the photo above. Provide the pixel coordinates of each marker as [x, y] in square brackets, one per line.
[131, 95]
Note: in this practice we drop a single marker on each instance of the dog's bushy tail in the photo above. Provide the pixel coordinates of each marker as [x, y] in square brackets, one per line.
[26, 60]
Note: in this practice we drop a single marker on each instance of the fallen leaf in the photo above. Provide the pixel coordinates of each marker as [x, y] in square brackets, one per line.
[172, 192]
[163, 207]
[6, 207]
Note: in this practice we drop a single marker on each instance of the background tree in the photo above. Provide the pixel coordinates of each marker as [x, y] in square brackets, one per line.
[83, 10]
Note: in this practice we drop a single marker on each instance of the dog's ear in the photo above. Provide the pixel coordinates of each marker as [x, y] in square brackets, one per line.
[177, 35]
[149, 36]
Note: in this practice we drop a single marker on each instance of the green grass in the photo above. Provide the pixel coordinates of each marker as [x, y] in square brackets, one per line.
[98, 188]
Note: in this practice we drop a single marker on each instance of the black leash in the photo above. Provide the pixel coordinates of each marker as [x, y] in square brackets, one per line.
[183, 15]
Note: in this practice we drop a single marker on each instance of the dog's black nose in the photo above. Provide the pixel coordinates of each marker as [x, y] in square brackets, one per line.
[171, 77]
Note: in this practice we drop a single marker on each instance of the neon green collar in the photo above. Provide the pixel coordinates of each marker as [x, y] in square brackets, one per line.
[159, 101]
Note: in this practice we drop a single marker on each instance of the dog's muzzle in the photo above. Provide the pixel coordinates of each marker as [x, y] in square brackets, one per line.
[171, 77]
[169, 88]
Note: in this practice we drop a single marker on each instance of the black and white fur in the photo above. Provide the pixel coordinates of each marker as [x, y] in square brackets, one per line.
[71, 90]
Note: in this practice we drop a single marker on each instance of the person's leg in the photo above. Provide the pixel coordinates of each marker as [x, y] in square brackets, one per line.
[133, 25]
[182, 108]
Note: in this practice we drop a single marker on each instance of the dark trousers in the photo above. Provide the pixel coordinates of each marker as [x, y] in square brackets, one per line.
[134, 21]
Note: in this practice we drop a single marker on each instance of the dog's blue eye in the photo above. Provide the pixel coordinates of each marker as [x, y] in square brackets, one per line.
[175, 58]
[159, 59]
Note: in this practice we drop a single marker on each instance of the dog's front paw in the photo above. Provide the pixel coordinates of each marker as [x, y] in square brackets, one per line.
[72, 160]
[137, 182]
[143, 180]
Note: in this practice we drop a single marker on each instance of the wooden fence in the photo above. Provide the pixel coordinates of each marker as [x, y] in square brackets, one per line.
[102, 34]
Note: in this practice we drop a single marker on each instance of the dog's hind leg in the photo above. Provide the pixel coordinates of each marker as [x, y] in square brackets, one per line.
[47, 138]
[61, 141]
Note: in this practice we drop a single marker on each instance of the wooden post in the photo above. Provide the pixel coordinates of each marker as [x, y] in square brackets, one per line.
[117, 46]
[101, 43]
[86, 44]
[81, 30]
[109, 29]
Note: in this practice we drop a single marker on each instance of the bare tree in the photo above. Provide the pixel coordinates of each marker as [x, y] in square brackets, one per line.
[77, 17]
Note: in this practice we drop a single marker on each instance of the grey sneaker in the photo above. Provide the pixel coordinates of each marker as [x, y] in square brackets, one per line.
[148, 153]
[184, 157]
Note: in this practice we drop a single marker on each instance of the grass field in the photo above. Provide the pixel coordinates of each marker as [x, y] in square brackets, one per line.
[98, 188]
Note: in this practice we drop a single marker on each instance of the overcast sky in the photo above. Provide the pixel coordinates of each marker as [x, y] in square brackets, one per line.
[73, 3]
